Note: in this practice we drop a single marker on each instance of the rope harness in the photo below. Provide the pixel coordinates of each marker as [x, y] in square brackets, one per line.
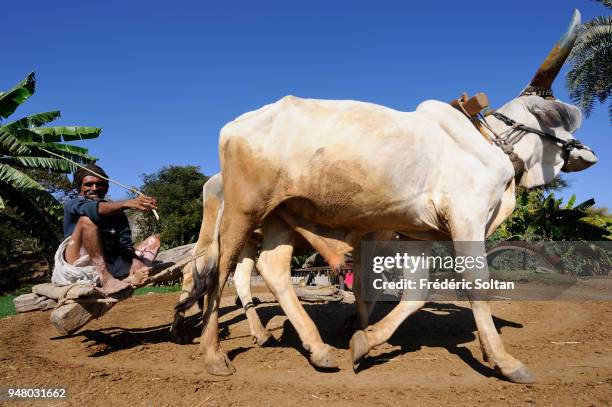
[568, 145]
[473, 109]
[515, 132]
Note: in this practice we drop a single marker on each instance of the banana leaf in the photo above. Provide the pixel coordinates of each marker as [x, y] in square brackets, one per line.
[57, 133]
[43, 224]
[10, 100]
[35, 120]
[9, 144]
[585, 205]
[32, 204]
[77, 154]
[54, 164]
[17, 179]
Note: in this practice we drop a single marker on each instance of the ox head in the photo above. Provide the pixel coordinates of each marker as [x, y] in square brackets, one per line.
[552, 147]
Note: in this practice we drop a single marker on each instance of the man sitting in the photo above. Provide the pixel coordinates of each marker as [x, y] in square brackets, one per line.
[98, 241]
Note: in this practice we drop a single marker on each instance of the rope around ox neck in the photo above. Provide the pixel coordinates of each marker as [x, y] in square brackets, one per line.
[505, 141]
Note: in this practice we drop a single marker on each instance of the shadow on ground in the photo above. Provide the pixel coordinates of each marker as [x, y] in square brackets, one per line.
[443, 325]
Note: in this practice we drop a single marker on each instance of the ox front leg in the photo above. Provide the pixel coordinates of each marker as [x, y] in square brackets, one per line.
[472, 245]
[242, 282]
[274, 265]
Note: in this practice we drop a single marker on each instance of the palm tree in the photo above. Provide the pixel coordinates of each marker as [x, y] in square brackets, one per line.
[590, 77]
[24, 144]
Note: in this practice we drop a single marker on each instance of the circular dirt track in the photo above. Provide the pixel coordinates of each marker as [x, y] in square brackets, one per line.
[433, 359]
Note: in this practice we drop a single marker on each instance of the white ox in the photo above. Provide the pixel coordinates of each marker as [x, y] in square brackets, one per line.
[338, 170]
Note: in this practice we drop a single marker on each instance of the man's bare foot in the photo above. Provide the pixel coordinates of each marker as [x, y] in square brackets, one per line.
[113, 286]
[139, 277]
[147, 250]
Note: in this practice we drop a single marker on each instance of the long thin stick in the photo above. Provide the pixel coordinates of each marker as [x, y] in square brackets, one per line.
[131, 189]
[96, 300]
[166, 271]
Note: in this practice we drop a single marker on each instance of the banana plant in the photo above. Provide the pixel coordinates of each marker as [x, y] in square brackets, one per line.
[25, 144]
[539, 217]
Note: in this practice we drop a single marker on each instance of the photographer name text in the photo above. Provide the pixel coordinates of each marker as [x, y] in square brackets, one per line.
[426, 284]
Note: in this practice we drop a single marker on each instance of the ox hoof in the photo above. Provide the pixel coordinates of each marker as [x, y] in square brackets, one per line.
[324, 359]
[264, 340]
[359, 347]
[521, 375]
[218, 364]
[351, 323]
[178, 334]
[179, 339]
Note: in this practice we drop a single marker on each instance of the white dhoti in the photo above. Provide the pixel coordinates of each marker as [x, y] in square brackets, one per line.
[83, 270]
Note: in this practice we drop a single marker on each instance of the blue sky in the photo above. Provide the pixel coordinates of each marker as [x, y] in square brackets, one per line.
[162, 78]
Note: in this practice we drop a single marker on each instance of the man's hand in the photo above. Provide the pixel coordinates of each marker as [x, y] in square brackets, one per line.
[142, 203]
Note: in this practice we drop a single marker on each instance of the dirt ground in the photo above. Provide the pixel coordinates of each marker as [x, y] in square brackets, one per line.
[433, 359]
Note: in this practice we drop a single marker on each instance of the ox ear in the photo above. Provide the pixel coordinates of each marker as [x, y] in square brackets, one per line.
[549, 119]
[556, 114]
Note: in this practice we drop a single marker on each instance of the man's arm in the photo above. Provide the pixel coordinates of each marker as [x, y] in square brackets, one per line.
[141, 203]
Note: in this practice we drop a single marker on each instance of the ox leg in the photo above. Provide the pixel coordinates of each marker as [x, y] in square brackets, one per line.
[490, 341]
[178, 332]
[274, 266]
[411, 301]
[242, 281]
[235, 230]
[364, 308]
[374, 335]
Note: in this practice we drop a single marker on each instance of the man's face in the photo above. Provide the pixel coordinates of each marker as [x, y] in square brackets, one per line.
[93, 187]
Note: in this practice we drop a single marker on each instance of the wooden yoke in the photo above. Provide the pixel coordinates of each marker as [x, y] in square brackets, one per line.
[471, 107]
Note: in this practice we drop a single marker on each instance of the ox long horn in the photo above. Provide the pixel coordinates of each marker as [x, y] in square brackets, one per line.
[541, 83]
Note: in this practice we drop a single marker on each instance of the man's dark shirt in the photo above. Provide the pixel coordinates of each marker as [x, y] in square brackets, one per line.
[114, 229]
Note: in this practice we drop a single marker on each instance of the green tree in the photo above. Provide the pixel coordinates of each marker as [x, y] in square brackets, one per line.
[590, 77]
[57, 184]
[25, 203]
[14, 240]
[178, 190]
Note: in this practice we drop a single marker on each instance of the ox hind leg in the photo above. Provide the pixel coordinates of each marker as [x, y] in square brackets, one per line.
[472, 244]
[178, 330]
[193, 278]
[411, 301]
[235, 230]
[274, 266]
[242, 282]
[364, 307]
[189, 289]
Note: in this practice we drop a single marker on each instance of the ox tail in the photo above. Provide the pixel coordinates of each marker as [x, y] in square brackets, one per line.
[203, 270]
